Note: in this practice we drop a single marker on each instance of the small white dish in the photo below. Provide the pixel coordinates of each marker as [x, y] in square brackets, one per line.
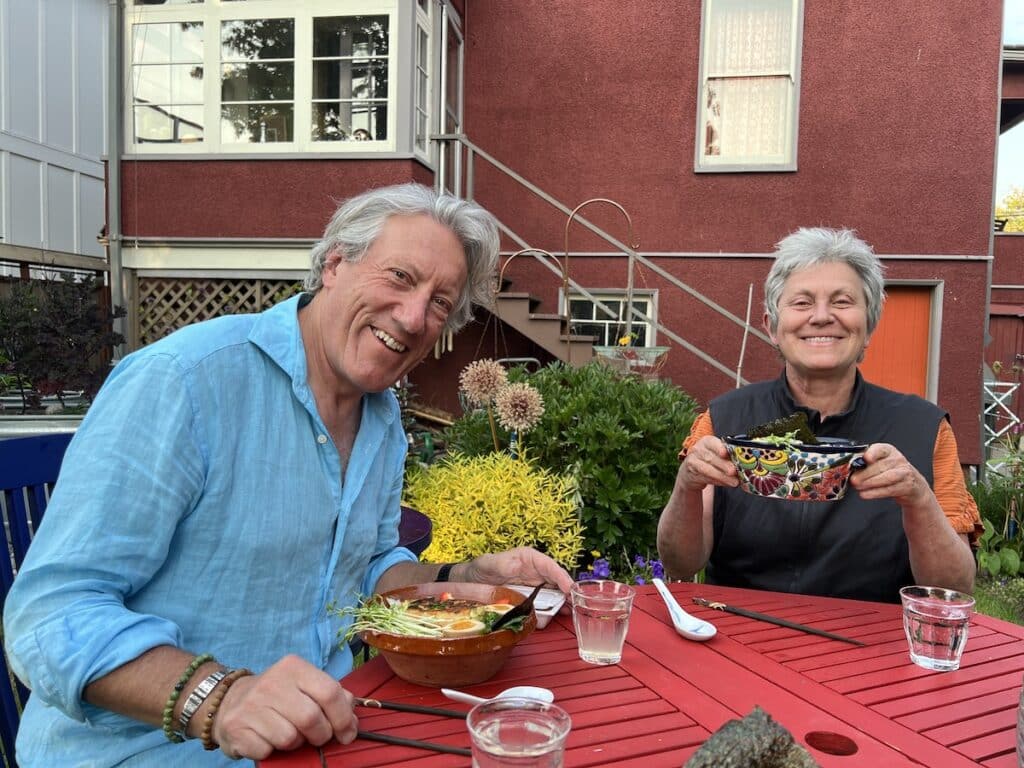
[545, 605]
[686, 625]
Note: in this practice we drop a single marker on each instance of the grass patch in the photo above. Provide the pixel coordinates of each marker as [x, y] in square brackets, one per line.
[1001, 598]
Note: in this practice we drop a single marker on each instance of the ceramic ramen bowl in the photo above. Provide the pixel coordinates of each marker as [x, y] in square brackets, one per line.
[798, 473]
[450, 661]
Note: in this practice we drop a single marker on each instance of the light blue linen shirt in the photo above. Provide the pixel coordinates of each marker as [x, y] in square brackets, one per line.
[201, 505]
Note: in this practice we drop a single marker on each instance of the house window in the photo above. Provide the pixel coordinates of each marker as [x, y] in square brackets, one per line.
[588, 319]
[167, 82]
[350, 78]
[272, 76]
[422, 88]
[257, 81]
[749, 87]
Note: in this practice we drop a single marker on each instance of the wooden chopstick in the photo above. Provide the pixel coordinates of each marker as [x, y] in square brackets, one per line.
[399, 707]
[386, 739]
[773, 620]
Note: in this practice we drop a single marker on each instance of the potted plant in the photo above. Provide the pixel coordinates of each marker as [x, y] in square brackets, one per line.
[56, 343]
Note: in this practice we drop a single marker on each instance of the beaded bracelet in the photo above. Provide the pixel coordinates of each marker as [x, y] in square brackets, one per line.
[168, 720]
[218, 696]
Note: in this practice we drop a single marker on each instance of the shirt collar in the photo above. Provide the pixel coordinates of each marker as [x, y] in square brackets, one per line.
[813, 417]
[276, 332]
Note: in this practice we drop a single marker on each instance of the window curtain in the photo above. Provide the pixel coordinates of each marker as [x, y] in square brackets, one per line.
[748, 80]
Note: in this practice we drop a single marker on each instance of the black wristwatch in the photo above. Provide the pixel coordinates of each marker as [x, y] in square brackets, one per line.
[445, 571]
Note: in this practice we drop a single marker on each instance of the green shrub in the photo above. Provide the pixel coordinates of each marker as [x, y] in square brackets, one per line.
[618, 435]
[56, 337]
[493, 502]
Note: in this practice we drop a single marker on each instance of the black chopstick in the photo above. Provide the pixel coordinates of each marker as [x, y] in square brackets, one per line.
[399, 707]
[773, 620]
[386, 739]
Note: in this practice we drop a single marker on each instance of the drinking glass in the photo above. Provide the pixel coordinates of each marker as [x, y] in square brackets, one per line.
[936, 622]
[1020, 731]
[520, 732]
[600, 613]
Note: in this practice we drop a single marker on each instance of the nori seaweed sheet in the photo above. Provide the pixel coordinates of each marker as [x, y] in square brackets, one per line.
[794, 422]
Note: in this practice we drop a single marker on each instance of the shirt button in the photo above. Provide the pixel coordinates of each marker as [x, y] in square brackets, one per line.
[322, 439]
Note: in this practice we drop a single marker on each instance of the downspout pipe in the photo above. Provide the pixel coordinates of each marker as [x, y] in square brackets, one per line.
[115, 140]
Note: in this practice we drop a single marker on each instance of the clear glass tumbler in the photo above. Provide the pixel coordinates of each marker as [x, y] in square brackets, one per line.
[600, 614]
[518, 733]
[936, 623]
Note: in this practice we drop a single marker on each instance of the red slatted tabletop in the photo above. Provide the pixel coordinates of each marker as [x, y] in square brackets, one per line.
[669, 694]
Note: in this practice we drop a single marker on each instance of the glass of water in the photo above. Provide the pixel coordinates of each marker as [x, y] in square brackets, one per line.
[936, 622]
[516, 732]
[600, 613]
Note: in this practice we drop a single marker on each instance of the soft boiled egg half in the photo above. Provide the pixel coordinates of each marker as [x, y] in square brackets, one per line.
[464, 628]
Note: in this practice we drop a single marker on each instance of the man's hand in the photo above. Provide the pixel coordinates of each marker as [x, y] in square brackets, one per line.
[522, 565]
[288, 705]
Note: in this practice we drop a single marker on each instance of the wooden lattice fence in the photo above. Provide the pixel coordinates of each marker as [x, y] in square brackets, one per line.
[169, 303]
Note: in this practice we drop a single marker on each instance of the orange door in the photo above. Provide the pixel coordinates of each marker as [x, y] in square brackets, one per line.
[897, 357]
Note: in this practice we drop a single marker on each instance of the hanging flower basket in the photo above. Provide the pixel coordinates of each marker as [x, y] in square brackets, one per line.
[646, 361]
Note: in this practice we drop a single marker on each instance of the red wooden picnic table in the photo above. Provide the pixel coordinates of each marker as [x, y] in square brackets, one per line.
[669, 694]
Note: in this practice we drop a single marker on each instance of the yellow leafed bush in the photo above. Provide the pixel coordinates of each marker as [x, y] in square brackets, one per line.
[494, 502]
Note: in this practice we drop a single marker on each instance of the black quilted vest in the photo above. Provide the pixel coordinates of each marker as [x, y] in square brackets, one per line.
[848, 548]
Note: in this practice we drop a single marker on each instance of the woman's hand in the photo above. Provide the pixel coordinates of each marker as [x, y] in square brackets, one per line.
[288, 705]
[522, 565]
[707, 463]
[889, 475]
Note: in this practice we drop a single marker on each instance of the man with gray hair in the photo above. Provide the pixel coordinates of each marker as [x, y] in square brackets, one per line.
[908, 518]
[228, 483]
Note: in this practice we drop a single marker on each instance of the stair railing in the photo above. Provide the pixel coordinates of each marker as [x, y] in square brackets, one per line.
[462, 184]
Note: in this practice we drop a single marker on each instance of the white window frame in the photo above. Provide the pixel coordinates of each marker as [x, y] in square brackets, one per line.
[605, 296]
[423, 102]
[212, 12]
[788, 160]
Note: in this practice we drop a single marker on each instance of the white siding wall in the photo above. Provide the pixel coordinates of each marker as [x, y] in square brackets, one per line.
[52, 123]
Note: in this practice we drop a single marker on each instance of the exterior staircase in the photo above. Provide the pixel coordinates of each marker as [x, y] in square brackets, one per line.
[548, 331]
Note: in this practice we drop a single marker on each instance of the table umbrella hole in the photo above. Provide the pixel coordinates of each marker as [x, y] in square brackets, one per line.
[831, 743]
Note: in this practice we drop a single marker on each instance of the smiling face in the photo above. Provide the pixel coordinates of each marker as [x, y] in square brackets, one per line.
[822, 328]
[375, 319]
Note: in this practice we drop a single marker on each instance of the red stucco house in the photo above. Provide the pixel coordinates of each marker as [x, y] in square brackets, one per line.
[716, 128]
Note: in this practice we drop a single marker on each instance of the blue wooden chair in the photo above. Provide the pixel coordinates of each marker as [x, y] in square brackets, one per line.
[28, 470]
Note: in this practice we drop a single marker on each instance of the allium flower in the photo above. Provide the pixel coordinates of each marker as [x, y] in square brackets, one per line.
[480, 381]
[519, 407]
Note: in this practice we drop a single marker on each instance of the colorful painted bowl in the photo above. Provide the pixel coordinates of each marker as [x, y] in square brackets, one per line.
[800, 473]
[450, 661]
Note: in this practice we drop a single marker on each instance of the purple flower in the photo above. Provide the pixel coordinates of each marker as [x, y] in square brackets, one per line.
[601, 568]
[640, 580]
[639, 561]
[657, 569]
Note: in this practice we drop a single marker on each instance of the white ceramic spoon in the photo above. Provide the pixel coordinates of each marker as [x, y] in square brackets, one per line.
[686, 625]
[518, 691]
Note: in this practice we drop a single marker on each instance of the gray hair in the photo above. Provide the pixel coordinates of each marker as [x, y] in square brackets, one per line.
[359, 220]
[808, 247]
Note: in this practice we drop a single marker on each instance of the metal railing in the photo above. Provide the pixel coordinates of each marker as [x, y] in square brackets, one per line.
[464, 155]
[999, 420]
